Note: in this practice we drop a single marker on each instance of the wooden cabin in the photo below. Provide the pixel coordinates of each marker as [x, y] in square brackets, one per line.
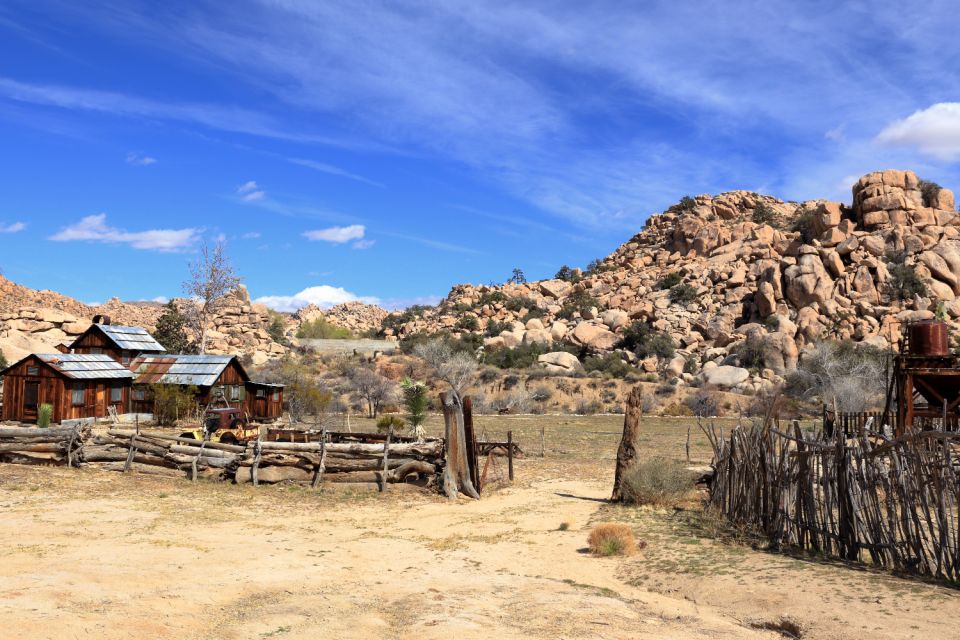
[264, 400]
[123, 344]
[216, 378]
[75, 385]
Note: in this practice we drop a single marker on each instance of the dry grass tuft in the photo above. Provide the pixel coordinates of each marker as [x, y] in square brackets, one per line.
[612, 539]
[564, 526]
[659, 482]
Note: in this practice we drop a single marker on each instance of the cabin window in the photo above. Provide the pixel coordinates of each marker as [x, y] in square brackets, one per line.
[276, 396]
[79, 394]
[116, 394]
[125, 359]
[261, 393]
[96, 351]
[236, 393]
[139, 394]
[33, 371]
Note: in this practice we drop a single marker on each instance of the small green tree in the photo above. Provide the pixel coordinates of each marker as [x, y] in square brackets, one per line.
[764, 214]
[277, 327]
[687, 204]
[567, 274]
[171, 330]
[929, 192]
[517, 277]
[171, 402]
[44, 414]
[415, 398]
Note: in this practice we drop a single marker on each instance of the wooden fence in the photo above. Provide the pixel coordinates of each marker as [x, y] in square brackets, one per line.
[890, 502]
[851, 424]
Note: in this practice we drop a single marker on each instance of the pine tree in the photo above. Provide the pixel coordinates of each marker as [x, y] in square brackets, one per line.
[171, 330]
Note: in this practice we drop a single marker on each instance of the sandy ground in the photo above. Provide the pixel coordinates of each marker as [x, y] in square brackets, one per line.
[93, 554]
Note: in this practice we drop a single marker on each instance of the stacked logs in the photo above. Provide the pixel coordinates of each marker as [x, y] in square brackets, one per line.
[34, 445]
[268, 462]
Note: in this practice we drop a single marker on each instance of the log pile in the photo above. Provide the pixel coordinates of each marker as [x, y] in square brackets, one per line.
[34, 445]
[269, 462]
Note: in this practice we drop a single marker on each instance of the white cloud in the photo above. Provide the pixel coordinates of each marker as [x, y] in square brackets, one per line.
[337, 235]
[934, 131]
[363, 244]
[333, 170]
[160, 299]
[251, 192]
[95, 229]
[251, 235]
[324, 296]
[139, 159]
[13, 227]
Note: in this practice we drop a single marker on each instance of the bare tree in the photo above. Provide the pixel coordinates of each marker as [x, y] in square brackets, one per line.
[458, 369]
[212, 277]
[844, 375]
[372, 388]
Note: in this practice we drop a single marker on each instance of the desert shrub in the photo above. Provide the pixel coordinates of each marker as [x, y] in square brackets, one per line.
[750, 351]
[397, 319]
[764, 214]
[849, 374]
[415, 397]
[44, 415]
[567, 274]
[172, 402]
[610, 364]
[670, 280]
[469, 342]
[492, 297]
[495, 328]
[564, 526]
[682, 294]
[641, 339]
[929, 192]
[658, 481]
[321, 329]
[541, 394]
[386, 423]
[520, 357]
[277, 327]
[597, 266]
[519, 304]
[510, 381]
[904, 283]
[803, 224]
[586, 407]
[690, 365]
[612, 539]
[488, 375]
[687, 204]
[705, 402]
[577, 302]
[468, 323]
[666, 388]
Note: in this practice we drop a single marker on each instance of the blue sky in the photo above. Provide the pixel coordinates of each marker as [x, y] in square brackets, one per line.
[387, 151]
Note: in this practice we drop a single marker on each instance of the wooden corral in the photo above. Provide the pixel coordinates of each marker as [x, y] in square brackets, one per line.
[123, 344]
[75, 385]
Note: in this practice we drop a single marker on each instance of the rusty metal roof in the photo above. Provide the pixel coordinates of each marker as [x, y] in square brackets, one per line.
[85, 366]
[197, 370]
[132, 338]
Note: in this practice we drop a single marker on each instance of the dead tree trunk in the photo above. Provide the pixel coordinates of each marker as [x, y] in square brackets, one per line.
[456, 474]
[629, 443]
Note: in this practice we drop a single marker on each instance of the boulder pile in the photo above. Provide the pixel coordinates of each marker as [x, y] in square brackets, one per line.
[741, 282]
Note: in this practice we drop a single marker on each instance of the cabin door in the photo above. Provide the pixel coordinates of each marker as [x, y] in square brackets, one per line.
[100, 410]
[31, 400]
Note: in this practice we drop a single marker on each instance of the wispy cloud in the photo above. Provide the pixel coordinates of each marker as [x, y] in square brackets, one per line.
[324, 296]
[333, 170]
[251, 235]
[139, 159]
[250, 192]
[363, 244]
[13, 227]
[95, 229]
[337, 235]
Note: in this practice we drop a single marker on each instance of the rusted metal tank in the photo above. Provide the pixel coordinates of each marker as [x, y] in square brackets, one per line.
[929, 338]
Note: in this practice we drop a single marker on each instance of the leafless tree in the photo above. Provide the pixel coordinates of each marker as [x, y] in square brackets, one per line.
[458, 369]
[372, 388]
[212, 277]
[843, 375]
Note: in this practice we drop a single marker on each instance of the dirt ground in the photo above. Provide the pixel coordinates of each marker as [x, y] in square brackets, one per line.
[94, 554]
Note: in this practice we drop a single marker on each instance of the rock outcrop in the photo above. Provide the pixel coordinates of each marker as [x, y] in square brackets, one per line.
[781, 275]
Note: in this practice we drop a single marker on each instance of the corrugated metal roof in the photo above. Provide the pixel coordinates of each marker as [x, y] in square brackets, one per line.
[199, 370]
[86, 366]
[132, 338]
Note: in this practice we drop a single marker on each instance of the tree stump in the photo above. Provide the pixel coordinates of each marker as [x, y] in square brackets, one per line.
[628, 450]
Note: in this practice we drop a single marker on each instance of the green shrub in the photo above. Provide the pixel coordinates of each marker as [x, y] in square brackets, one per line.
[597, 266]
[803, 224]
[321, 329]
[172, 402]
[687, 204]
[764, 214]
[492, 297]
[610, 364]
[670, 280]
[277, 327]
[416, 398]
[577, 302]
[519, 304]
[690, 365]
[656, 481]
[705, 402]
[44, 415]
[468, 342]
[495, 328]
[468, 323]
[750, 352]
[567, 274]
[520, 357]
[929, 192]
[397, 319]
[642, 340]
[682, 294]
[171, 330]
[387, 422]
[904, 283]
[3, 361]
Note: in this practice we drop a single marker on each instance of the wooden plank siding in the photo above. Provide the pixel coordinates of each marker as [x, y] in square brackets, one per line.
[55, 389]
[264, 402]
[96, 342]
[233, 375]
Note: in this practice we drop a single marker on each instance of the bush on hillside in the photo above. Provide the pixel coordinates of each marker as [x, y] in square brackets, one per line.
[670, 280]
[567, 274]
[397, 319]
[641, 339]
[321, 329]
[682, 294]
[803, 224]
[495, 328]
[929, 192]
[610, 364]
[468, 323]
[705, 402]
[519, 304]
[577, 302]
[764, 214]
[687, 204]
[904, 283]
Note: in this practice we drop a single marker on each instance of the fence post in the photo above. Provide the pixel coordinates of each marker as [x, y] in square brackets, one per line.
[510, 455]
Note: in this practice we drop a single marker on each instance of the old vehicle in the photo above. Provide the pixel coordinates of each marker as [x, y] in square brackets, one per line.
[228, 425]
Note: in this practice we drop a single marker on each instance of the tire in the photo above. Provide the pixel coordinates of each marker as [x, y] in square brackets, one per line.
[228, 438]
[189, 435]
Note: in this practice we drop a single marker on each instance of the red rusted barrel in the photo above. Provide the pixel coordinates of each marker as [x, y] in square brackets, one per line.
[929, 338]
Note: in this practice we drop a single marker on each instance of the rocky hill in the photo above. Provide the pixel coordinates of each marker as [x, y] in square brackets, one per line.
[737, 277]
[357, 317]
